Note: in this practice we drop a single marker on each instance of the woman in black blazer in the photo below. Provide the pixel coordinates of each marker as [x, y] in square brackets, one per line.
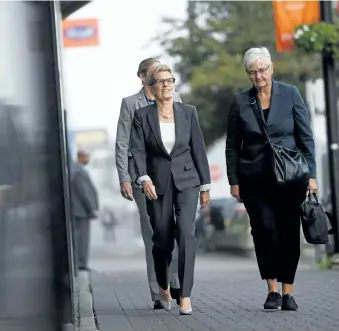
[274, 211]
[171, 164]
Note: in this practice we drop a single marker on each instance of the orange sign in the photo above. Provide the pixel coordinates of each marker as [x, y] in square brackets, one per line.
[80, 32]
[288, 15]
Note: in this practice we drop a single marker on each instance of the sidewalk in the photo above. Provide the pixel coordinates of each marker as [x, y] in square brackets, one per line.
[228, 295]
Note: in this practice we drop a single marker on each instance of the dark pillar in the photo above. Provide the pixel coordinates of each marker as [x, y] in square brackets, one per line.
[62, 223]
[36, 270]
[331, 106]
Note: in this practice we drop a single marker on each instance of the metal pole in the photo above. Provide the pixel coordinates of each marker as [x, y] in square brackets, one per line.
[332, 123]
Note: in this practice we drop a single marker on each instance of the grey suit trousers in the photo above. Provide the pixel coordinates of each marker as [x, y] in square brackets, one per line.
[147, 234]
[82, 240]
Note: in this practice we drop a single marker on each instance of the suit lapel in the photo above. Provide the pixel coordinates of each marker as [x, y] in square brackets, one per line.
[180, 124]
[275, 101]
[141, 100]
[153, 119]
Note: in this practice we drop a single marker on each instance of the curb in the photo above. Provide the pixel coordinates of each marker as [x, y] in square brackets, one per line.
[87, 320]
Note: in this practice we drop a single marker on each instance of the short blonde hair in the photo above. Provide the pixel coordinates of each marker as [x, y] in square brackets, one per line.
[158, 68]
[254, 54]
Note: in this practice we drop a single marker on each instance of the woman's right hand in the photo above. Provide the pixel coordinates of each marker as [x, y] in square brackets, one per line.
[235, 192]
[149, 190]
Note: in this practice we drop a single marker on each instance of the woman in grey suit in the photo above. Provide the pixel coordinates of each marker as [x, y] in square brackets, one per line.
[171, 164]
[274, 210]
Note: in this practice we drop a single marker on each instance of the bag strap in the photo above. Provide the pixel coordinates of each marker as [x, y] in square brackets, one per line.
[309, 197]
[258, 115]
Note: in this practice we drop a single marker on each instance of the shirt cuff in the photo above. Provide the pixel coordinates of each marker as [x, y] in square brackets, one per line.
[205, 188]
[142, 179]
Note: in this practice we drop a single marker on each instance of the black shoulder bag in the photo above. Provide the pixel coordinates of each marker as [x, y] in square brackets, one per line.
[289, 166]
[314, 221]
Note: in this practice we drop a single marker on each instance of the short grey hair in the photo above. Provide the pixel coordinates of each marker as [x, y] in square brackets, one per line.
[158, 68]
[254, 54]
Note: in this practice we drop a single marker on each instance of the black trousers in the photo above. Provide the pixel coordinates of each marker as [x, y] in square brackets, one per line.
[173, 216]
[275, 221]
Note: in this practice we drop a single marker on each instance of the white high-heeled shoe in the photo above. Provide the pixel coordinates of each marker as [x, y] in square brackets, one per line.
[187, 311]
[165, 300]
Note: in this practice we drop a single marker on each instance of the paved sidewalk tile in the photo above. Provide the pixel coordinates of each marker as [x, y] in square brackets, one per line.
[228, 300]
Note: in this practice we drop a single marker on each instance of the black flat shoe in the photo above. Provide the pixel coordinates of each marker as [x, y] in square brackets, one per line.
[157, 305]
[273, 301]
[288, 303]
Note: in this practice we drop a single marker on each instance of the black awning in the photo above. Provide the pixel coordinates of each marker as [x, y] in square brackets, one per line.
[69, 7]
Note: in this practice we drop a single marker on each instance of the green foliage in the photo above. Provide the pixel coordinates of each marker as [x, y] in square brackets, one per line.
[209, 46]
[318, 38]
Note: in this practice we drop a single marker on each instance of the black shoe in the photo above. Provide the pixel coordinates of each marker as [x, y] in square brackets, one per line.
[175, 294]
[157, 305]
[273, 301]
[288, 303]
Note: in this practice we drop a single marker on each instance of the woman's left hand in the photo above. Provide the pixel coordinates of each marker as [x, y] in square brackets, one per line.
[312, 186]
[204, 199]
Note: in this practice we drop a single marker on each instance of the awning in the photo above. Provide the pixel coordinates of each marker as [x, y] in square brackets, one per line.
[69, 7]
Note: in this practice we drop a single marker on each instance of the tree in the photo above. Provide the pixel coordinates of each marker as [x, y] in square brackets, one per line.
[209, 55]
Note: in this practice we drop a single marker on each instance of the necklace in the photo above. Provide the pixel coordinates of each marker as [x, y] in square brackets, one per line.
[167, 117]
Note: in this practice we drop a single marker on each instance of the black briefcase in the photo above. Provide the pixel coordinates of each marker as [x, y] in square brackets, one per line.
[314, 221]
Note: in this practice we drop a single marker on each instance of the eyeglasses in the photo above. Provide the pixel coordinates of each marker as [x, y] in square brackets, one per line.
[259, 71]
[169, 81]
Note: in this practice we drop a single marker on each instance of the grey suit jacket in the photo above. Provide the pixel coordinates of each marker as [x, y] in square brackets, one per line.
[84, 195]
[123, 156]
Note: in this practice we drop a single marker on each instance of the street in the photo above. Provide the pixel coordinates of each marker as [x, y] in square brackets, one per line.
[228, 293]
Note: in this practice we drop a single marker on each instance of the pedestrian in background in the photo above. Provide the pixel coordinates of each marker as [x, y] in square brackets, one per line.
[85, 207]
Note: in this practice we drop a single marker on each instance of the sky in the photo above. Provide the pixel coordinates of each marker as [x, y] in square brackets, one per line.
[97, 78]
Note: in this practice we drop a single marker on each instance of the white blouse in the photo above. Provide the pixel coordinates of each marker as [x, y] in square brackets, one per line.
[167, 131]
[168, 135]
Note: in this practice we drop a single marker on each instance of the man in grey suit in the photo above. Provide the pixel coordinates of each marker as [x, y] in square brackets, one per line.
[84, 208]
[127, 177]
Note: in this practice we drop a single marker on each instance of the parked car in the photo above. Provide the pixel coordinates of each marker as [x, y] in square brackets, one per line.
[224, 224]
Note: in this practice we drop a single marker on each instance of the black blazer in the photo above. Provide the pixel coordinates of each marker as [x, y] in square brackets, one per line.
[188, 160]
[288, 124]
